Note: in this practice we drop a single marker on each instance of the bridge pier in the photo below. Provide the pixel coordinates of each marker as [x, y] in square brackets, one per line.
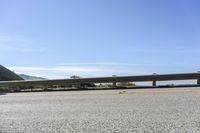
[154, 83]
[77, 85]
[198, 81]
[114, 84]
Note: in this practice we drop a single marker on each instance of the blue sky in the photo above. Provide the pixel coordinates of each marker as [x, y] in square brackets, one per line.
[59, 38]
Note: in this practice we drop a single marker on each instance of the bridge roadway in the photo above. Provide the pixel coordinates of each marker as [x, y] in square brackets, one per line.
[141, 78]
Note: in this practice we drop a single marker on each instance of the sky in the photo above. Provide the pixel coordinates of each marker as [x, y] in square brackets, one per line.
[90, 38]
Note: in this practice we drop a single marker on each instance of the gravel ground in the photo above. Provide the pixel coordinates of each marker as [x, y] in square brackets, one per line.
[142, 111]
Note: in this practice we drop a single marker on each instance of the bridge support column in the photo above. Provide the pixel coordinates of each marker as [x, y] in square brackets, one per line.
[114, 84]
[154, 83]
[198, 81]
[77, 85]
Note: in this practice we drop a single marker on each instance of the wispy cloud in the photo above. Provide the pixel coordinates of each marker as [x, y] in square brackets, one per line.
[172, 48]
[60, 72]
[19, 44]
[172, 64]
[5, 38]
[71, 69]
[93, 69]
[90, 64]
[67, 71]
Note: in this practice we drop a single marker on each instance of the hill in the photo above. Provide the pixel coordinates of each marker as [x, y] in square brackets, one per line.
[28, 77]
[8, 75]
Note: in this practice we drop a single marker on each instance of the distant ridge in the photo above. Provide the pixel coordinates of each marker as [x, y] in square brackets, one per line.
[28, 77]
[8, 75]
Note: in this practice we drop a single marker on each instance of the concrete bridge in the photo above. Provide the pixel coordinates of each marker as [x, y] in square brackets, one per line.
[141, 78]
